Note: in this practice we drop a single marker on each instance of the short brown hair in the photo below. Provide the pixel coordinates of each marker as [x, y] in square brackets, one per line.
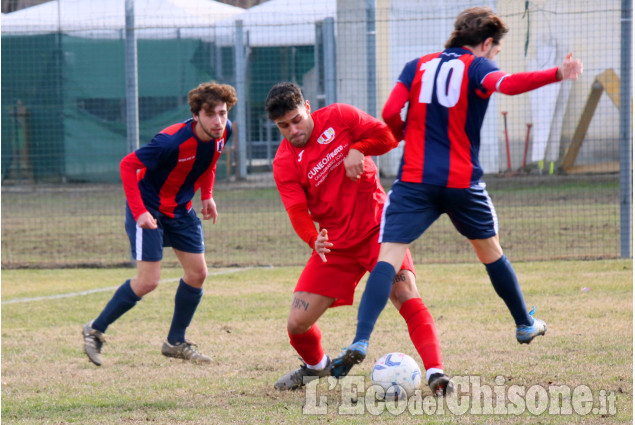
[207, 95]
[475, 25]
[282, 98]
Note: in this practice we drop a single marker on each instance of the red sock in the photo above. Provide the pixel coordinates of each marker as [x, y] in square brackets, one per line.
[423, 332]
[309, 345]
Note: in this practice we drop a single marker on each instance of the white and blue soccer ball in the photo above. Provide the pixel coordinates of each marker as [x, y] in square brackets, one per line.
[398, 374]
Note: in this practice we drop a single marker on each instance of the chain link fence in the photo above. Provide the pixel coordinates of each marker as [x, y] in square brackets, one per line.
[554, 158]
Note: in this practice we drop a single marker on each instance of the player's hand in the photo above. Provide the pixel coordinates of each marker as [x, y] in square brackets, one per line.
[570, 68]
[146, 221]
[209, 210]
[354, 164]
[322, 244]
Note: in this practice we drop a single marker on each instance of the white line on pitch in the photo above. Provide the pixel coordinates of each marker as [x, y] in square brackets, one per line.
[110, 288]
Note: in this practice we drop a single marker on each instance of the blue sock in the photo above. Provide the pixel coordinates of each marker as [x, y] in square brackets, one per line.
[374, 298]
[123, 300]
[503, 278]
[186, 300]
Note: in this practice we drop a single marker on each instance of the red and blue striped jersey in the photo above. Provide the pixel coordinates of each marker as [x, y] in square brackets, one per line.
[170, 169]
[447, 104]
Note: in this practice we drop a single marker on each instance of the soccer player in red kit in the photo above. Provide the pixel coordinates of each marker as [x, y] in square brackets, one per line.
[160, 180]
[324, 174]
[448, 93]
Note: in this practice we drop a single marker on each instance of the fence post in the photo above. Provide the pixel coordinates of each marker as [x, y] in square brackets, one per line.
[371, 82]
[626, 147]
[241, 116]
[132, 90]
[328, 41]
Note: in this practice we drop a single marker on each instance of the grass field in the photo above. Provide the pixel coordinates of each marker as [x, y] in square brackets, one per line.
[541, 218]
[46, 378]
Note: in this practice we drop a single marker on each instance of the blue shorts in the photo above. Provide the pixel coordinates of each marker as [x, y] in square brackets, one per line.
[184, 234]
[412, 207]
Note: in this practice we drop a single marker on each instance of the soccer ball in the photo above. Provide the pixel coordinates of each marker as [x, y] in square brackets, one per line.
[398, 374]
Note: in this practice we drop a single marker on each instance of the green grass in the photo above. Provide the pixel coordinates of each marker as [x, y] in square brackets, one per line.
[241, 321]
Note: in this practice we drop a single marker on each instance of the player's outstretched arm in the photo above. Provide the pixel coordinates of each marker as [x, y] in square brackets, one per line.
[570, 68]
[522, 82]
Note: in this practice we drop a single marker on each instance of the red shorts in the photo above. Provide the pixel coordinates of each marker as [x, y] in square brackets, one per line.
[339, 276]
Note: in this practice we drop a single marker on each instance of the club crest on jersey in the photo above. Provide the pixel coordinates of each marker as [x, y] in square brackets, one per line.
[327, 137]
[220, 144]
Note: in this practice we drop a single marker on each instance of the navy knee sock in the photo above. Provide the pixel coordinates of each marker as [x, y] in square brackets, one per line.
[374, 298]
[505, 282]
[186, 301]
[123, 300]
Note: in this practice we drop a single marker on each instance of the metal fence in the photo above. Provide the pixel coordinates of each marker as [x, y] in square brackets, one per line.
[559, 157]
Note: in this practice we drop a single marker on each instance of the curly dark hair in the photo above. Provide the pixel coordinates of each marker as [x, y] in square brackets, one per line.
[282, 98]
[475, 25]
[208, 95]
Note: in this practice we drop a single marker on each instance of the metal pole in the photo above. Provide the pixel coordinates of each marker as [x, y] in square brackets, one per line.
[328, 42]
[626, 142]
[59, 61]
[318, 54]
[241, 116]
[371, 80]
[132, 88]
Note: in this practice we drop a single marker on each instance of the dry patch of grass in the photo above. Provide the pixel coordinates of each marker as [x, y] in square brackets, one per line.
[542, 218]
[241, 323]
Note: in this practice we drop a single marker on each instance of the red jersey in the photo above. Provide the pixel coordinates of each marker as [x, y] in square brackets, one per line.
[314, 174]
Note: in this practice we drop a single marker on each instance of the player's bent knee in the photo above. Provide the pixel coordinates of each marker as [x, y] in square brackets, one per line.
[402, 292]
[196, 278]
[143, 287]
[202, 274]
[298, 325]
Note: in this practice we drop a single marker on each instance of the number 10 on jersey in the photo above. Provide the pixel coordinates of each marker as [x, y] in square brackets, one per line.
[448, 81]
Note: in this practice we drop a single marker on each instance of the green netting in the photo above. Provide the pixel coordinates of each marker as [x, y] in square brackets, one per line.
[74, 91]
[31, 78]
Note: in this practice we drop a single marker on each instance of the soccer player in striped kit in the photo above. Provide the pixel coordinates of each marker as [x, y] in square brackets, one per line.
[160, 180]
[448, 93]
[324, 174]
